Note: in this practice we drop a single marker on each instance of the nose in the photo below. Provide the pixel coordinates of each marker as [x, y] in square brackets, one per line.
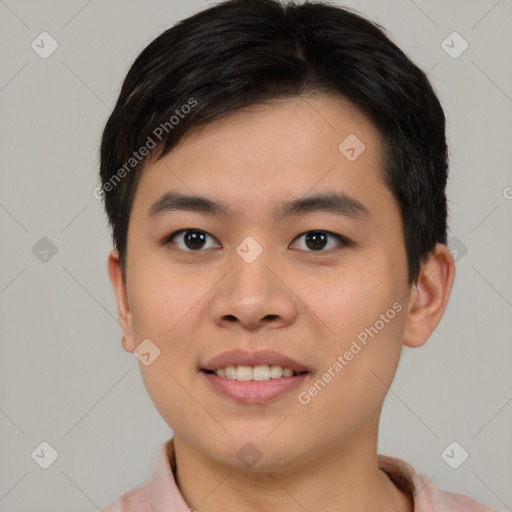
[254, 296]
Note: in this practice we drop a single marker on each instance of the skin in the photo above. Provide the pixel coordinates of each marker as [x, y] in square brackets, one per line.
[196, 303]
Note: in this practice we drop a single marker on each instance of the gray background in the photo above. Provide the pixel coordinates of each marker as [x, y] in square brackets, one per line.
[64, 377]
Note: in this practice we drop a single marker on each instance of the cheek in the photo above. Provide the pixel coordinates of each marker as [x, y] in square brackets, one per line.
[349, 299]
[162, 296]
[163, 306]
[350, 388]
[166, 387]
[366, 317]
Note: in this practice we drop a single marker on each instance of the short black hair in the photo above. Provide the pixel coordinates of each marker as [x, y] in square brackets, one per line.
[241, 53]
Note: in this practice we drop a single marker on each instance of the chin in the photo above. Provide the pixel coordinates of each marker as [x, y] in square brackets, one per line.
[254, 453]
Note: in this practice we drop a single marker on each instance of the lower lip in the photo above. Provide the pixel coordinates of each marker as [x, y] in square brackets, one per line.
[251, 391]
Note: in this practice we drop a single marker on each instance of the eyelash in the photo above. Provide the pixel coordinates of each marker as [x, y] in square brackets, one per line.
[344, 242]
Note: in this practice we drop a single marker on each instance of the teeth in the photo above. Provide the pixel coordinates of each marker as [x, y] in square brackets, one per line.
[258, 373]
[276, 372]
[261, 372]
[243, 373]
[230, 372]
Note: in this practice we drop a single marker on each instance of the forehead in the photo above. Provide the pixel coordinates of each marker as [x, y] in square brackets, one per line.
[270, 153]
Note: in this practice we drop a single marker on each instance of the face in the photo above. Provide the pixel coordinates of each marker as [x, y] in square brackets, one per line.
[322, 282]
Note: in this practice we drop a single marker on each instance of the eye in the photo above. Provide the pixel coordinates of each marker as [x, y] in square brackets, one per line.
[318, 240]
[193, 239]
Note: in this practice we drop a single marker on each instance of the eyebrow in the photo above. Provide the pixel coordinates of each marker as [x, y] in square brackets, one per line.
[338, 203]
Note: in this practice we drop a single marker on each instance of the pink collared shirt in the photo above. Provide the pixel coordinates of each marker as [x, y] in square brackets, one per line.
[161, 494]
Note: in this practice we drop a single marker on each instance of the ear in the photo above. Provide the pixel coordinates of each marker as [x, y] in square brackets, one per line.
[123, 308]
[429, 296]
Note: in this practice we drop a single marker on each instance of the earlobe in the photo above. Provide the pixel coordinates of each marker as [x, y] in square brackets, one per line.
[429, 297]
[123, 308]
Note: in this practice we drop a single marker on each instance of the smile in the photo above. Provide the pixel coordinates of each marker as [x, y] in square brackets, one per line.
[258, 373]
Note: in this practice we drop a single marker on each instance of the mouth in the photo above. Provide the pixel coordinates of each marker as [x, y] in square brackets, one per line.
[253, 377]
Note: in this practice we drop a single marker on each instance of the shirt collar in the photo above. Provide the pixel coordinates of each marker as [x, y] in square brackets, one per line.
[164, 492]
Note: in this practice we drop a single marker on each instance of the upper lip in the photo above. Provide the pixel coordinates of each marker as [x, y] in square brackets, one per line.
[241, 357]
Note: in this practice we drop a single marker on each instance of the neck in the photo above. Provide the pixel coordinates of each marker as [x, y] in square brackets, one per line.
[330, 479]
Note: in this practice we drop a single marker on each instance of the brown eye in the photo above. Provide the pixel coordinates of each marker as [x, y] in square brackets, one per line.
[189, 239]
[317, 241]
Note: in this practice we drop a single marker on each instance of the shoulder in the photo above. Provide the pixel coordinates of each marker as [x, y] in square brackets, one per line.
[427, 498]
[447, 501]
[137, 500]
